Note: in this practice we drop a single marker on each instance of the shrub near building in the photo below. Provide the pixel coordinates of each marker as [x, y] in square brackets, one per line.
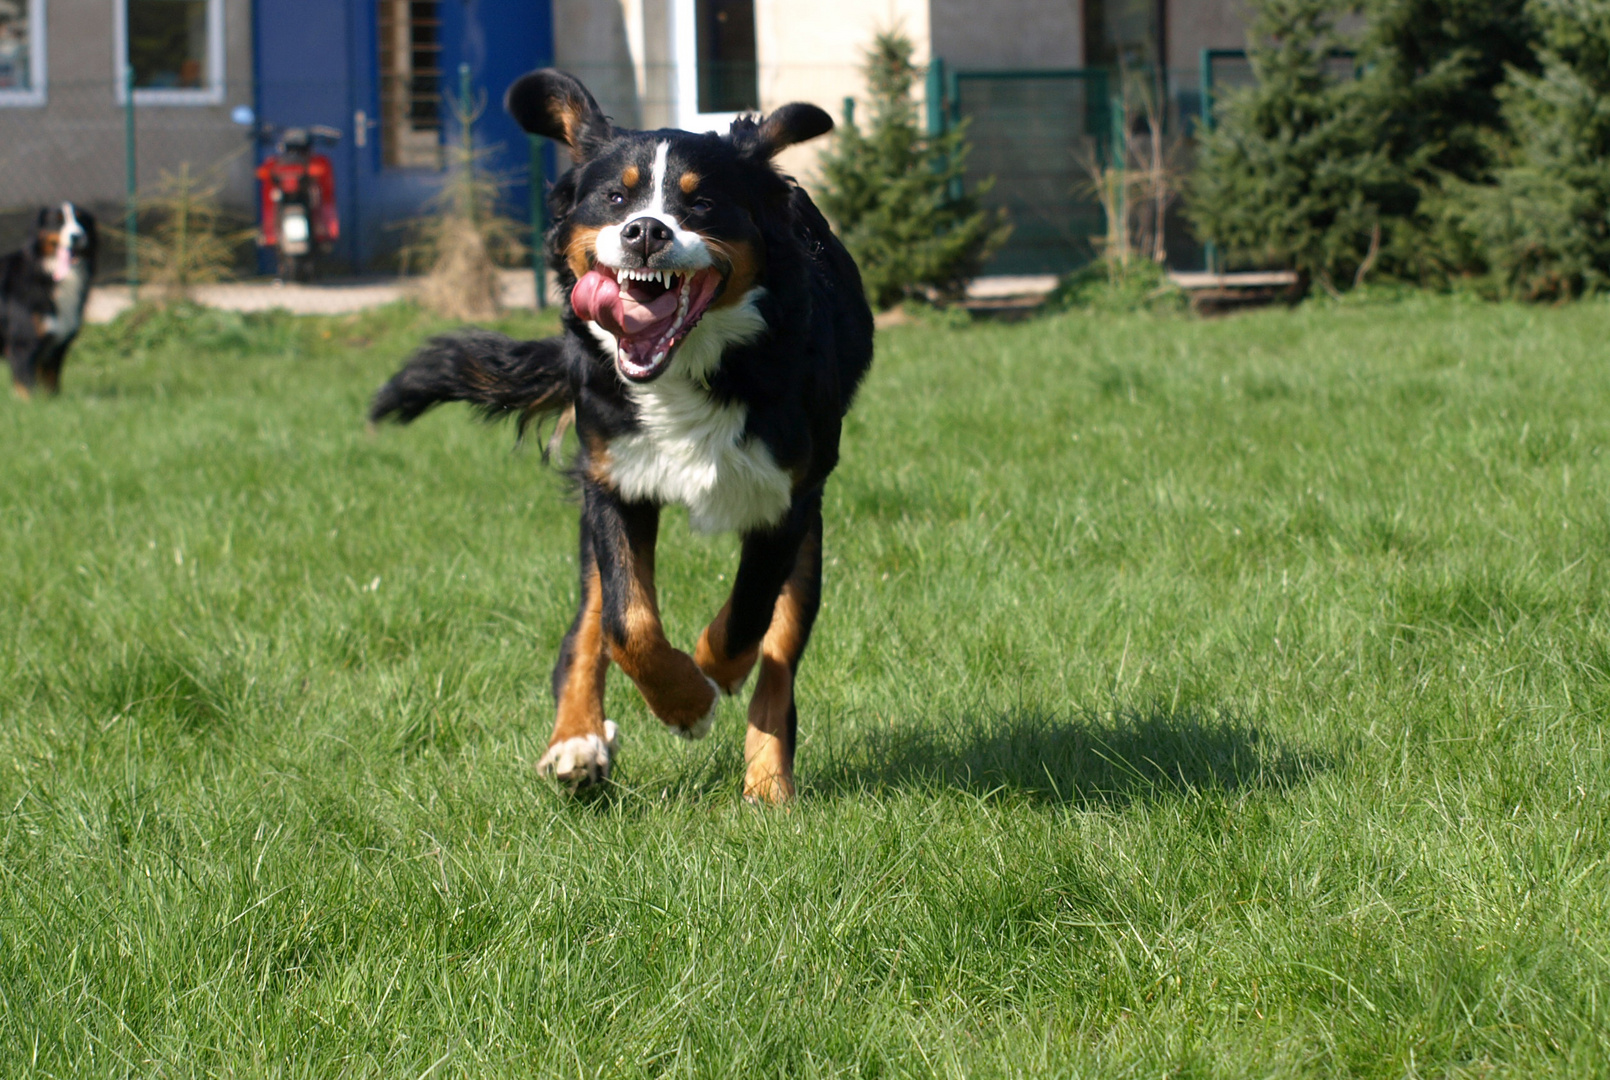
[1334, 168]
[1544, 226]
[894, 194]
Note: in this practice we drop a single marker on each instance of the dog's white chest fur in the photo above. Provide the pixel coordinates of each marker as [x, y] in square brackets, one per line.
[69, 300]
[692, 449]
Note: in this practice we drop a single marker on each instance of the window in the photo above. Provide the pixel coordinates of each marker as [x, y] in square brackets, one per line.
[22, 52]
[175, 49]
[717, 74]
[411, 83]
[1123, 33]
[728, 79]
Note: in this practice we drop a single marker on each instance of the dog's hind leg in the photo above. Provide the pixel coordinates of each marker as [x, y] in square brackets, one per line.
[730, 645]
[624, 536]
[583, 743]
[769, 617]
[21, 349]
[49, 367]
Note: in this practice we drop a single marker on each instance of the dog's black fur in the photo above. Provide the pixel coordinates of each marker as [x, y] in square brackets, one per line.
[40, 314]
[758, 387]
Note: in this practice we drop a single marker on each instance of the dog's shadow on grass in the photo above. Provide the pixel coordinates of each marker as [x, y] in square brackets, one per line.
[1088, 759]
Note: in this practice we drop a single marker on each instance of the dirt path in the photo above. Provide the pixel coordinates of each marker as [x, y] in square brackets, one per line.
[106, 302]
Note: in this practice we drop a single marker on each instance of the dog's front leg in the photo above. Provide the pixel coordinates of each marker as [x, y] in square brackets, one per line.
[768, 617]
[22, 348]
[583, 743]
[623, 544]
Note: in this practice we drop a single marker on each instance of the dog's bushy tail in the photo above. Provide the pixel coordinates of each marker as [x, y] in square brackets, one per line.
[497, 374]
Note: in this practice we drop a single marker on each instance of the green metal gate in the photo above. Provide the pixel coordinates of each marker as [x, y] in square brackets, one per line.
[1042, 135]
[1037, 134]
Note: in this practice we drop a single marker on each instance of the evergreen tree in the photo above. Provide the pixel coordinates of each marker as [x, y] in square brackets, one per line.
[1430, 72]
[1431, 69]
[896, 196]
[1544, 227]
[1294, 174]
[1329, 173]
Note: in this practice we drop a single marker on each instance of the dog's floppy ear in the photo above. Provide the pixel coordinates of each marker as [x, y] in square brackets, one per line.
[779, 129]
[552, 103]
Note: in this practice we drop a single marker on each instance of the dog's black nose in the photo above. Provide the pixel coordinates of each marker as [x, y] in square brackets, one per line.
[646, 236]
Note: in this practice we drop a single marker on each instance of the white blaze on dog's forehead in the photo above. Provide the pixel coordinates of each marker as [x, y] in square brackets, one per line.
[70, 227]
[662, 153]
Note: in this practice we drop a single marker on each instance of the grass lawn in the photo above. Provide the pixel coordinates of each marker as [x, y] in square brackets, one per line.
[1190, 699]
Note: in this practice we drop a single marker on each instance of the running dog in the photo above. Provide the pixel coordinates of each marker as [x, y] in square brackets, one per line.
[43, 290]
[714, 337]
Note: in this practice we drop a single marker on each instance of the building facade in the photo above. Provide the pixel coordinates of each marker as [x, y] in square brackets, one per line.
[386, 72]
[207, 73]
[64, 65]
[656, 63]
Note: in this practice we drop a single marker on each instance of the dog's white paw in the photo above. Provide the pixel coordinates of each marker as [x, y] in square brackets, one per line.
[702, 726]
[582, 760]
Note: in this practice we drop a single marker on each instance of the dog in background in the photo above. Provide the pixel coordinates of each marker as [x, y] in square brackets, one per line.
[715, 334]
[43, 290]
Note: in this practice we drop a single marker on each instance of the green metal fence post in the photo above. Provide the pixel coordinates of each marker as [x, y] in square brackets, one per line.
[936, 97]
[466, 113]
[1119, 160]
[953, 103]
[131, 210]
[1210, 250]
[539, 183]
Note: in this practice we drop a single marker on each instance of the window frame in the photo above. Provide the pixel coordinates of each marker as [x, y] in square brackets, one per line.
[212, 93]
[38, 78]
[384, 135]
[685, 55]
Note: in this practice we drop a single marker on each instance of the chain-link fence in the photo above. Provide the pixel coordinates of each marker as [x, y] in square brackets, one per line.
[1042, 138]
[76, 147]
[1047, 142]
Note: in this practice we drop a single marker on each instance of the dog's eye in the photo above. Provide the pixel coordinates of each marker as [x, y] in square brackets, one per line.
[703, 206]
[616, 198]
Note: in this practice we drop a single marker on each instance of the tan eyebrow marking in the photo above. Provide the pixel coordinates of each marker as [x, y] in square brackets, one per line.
[631, 176]
[689, 181]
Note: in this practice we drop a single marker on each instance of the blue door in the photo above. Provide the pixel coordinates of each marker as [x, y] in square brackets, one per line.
[386, 73]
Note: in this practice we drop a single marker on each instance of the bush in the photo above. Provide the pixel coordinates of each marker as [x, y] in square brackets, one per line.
[189, 239]
[895, 194]
[466, 235]
[1332, 175]
[1109, 288]
[1544, 226]
[1294, 173]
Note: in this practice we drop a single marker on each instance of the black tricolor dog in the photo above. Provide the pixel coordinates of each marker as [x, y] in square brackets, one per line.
[715, 336]
[43, 289]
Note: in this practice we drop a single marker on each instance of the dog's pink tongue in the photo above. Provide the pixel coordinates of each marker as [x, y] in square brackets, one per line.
[629, 317]
[642, 316]
[61, 264]
[598, 297]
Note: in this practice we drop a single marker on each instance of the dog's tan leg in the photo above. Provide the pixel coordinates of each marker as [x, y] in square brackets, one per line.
[730, 645]
[20, 392]
[676, 690]
[773, 719]
[714, 658]
[583, 743]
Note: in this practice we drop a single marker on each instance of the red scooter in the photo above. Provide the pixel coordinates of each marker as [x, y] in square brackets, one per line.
[297, 187]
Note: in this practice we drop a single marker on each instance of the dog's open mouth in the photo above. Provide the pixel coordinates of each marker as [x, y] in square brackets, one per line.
[648, 311]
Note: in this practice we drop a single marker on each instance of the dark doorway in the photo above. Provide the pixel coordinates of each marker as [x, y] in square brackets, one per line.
[729, 78]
